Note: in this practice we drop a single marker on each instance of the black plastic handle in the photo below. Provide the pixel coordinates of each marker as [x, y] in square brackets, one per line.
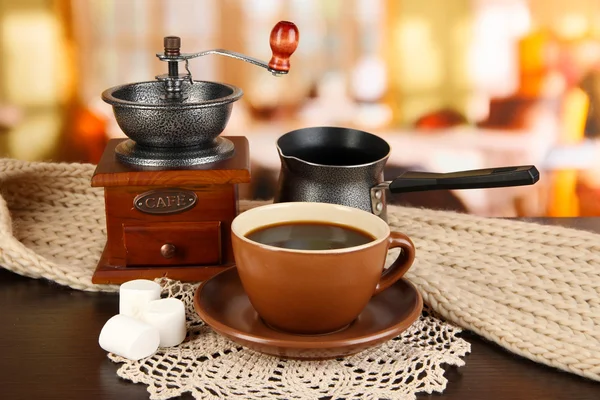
[412, 181]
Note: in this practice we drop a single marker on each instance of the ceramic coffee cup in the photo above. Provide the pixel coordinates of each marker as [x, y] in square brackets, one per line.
[315, 291]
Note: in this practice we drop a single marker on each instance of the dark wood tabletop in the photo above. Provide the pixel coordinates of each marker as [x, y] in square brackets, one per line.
[49, 350]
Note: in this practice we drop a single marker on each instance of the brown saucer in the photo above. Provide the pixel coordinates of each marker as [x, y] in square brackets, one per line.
[223, 305]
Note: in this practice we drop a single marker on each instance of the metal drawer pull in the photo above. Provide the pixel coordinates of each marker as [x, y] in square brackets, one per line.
[167, 250]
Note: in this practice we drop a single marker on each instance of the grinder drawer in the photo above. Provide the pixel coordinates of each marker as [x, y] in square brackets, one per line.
[172, 243]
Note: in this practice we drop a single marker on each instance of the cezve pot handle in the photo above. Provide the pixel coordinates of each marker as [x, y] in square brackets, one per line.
[413, 181]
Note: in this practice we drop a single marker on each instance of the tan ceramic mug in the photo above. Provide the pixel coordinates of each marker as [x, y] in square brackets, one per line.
[315, 291]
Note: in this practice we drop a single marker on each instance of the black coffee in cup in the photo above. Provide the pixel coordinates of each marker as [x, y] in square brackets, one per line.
[307, 235]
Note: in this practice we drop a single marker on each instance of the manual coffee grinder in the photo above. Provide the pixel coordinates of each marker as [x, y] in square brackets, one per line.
[170, 190]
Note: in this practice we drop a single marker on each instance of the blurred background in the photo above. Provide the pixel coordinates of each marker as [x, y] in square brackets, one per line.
[452, 85]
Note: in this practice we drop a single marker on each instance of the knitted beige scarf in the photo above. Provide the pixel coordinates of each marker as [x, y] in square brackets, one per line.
[535, 290]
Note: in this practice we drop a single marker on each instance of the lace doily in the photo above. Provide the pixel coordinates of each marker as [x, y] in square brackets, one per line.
[209, 366]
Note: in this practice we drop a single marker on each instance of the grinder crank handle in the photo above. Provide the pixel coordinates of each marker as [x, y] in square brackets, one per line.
[283, 40]
[413, 181]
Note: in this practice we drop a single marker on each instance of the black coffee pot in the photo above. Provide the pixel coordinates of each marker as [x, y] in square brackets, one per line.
[345, 166]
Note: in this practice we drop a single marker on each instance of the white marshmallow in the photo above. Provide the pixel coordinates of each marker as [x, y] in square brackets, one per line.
[129, 337]
[168, 316]
[135, 295]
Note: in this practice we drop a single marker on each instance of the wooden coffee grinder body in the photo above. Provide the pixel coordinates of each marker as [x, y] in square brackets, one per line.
[169, 223]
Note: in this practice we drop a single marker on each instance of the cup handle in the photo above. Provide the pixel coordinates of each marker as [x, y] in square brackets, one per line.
[402, 263]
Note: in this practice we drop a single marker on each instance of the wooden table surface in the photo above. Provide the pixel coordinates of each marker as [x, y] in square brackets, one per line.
[49, 350]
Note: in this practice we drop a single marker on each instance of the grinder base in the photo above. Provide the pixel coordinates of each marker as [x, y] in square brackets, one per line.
[173, 223]
[129, 152]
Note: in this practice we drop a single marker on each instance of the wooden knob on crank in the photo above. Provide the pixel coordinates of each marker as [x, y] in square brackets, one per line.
[284, 41]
